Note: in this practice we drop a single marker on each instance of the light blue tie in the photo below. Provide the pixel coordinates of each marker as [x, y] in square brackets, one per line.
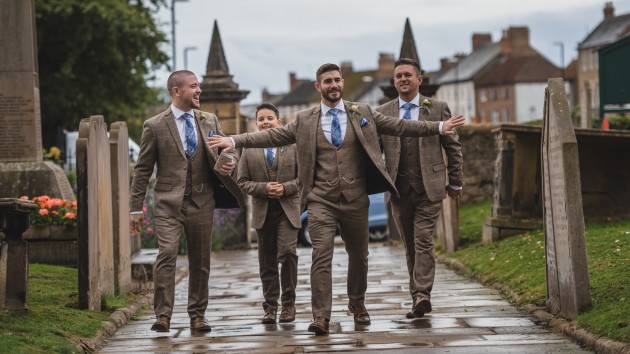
[335, 127]
[191, 137]
[407, 107]
[270, 156]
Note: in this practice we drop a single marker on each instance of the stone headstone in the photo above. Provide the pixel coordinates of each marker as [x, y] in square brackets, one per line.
[95, 248]
[3, 276]
[568, 288]
[22, 169]
[119, 154]
[447, 228]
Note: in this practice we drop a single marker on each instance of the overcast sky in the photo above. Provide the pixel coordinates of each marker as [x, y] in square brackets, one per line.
[264, 40]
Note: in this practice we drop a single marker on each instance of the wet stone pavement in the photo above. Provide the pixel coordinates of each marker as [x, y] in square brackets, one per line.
[466, 318]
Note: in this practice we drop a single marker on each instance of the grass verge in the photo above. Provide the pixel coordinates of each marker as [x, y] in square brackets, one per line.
[519, 263]
[53, 323]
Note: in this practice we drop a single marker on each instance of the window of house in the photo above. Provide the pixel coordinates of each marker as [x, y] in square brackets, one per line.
[494, 116]
[494, 94]
[483, 97]
[506, 93]
[506, 114]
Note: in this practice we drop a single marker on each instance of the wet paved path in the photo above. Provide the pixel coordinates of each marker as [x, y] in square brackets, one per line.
[466, 318]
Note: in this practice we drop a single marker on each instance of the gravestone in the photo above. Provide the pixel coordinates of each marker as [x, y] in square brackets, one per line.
[447, 228]
[22, 169]
[119, 154]
[568, 288]
[95, 247]
[3, 275]
[14, 220]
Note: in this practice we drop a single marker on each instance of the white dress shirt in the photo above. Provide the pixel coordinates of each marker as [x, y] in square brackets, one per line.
[181, 124]
[326, 120]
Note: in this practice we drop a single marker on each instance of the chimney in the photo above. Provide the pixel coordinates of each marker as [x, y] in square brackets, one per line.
[265, 95]
[480, 39]
[516, 41]
[292, 80]
[609, 10]
[446, 63]
[385, 66]
[346, 68]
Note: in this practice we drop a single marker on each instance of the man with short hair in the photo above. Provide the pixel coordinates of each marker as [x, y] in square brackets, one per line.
[339, 164]
[187, 190]
[270, 176]
[416, 165]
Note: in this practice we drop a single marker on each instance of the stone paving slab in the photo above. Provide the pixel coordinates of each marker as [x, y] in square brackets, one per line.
[466, 318]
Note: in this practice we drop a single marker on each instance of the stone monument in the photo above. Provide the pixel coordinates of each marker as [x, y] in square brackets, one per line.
[568, 288]
[22, 169]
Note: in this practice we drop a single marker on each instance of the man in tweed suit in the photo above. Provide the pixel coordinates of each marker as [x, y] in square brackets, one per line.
[417, 167]
[186, 192]
[339, 164]
[270, 177]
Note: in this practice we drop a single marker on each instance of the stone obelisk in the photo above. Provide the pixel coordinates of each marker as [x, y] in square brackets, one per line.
[22, 169]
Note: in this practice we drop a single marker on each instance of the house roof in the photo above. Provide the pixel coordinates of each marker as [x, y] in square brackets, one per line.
[570, 72]
[519, 69]
[466, 68]
[299, 95]
[608, 31]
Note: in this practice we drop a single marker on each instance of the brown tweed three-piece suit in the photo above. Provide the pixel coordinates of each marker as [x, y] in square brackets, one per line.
[276, 220]
[420, 174]
[334, 184]
[187, 190]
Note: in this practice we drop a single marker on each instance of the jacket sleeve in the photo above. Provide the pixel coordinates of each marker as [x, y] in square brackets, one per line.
[246, 183]
[453, 149]
[144, 167]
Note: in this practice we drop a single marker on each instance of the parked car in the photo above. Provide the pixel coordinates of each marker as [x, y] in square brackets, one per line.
[377, 221]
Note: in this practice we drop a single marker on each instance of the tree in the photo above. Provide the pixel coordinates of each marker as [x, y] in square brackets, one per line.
[96, 58]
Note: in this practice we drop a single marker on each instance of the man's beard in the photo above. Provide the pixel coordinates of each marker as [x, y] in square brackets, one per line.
[328, 98]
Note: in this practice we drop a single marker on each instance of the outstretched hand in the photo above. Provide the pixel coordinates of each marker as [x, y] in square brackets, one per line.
[218, 141]
[452, 123]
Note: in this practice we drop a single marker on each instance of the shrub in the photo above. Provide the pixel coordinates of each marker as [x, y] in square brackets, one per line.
[53, 211]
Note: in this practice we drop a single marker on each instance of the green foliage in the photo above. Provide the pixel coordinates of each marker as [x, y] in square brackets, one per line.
[95, 57]
[472, 217]
[53, 323]
[519, 263]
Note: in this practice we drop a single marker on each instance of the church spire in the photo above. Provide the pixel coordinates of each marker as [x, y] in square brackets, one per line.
[217, 65]
[408, 46]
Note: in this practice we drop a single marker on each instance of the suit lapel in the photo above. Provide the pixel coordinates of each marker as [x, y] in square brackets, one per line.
[313, 126]
[355, 122]
[262, 159]
[172, 126]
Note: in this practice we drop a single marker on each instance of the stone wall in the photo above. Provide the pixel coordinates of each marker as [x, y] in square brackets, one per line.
[479, 150]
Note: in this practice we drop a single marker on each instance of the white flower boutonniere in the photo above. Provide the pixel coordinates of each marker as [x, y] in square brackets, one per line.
[353, 109]
[203, 116]
[426, 105]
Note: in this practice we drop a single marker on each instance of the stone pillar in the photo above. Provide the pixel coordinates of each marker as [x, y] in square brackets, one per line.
[95, 247]
[3, 275]
[119, 154]
[447, 228]
[13, 222]
[22, 170]
[568, 286]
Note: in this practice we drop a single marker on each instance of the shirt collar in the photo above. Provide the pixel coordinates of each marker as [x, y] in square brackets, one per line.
[415, 101]
[340, 106]
[178, 112]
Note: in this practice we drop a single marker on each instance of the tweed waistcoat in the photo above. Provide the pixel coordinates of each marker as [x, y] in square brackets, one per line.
[197, 180]
[409, 169]
[339, 171]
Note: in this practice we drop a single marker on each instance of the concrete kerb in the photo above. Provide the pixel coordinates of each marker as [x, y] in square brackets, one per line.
[120, 317]
[599, 344]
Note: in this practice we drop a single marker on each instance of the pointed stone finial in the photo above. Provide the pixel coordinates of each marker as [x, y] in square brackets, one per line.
[217, 65]
[408, 46]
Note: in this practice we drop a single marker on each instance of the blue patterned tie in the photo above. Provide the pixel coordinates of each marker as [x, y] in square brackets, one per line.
[191, 137]
[407, 107]
[335, 127]
[270, 156]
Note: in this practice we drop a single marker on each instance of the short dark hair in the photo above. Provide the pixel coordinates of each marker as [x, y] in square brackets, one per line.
[326, 68]
[269, 106]
[176, 79]
[408, 61]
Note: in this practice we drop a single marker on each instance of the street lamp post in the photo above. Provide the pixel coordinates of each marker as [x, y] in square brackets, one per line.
[186, 49]
[561, 45]
[173, 32]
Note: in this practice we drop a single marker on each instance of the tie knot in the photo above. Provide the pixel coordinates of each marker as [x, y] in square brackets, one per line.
[186, 116]
[408, 106]
[333, 112]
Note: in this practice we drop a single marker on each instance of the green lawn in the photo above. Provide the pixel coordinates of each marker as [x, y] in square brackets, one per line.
[53, 323]
[519, 263]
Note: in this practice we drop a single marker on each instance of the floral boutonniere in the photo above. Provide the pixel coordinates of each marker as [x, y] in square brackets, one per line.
[353, 109]
[425, 105]
[203, 116]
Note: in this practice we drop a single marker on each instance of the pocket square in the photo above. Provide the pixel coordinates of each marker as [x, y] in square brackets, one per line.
[364, 122]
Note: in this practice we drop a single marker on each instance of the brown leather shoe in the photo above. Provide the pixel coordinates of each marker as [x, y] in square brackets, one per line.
[199, 325]
[319, 326]
[162, 324]
[420, 307]
[270, 316]
[361, 316]
[287, 314]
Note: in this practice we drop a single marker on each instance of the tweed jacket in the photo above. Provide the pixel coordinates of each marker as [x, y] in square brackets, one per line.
[162, 146]
[253, 175]
[367, 124]
[433, 168]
